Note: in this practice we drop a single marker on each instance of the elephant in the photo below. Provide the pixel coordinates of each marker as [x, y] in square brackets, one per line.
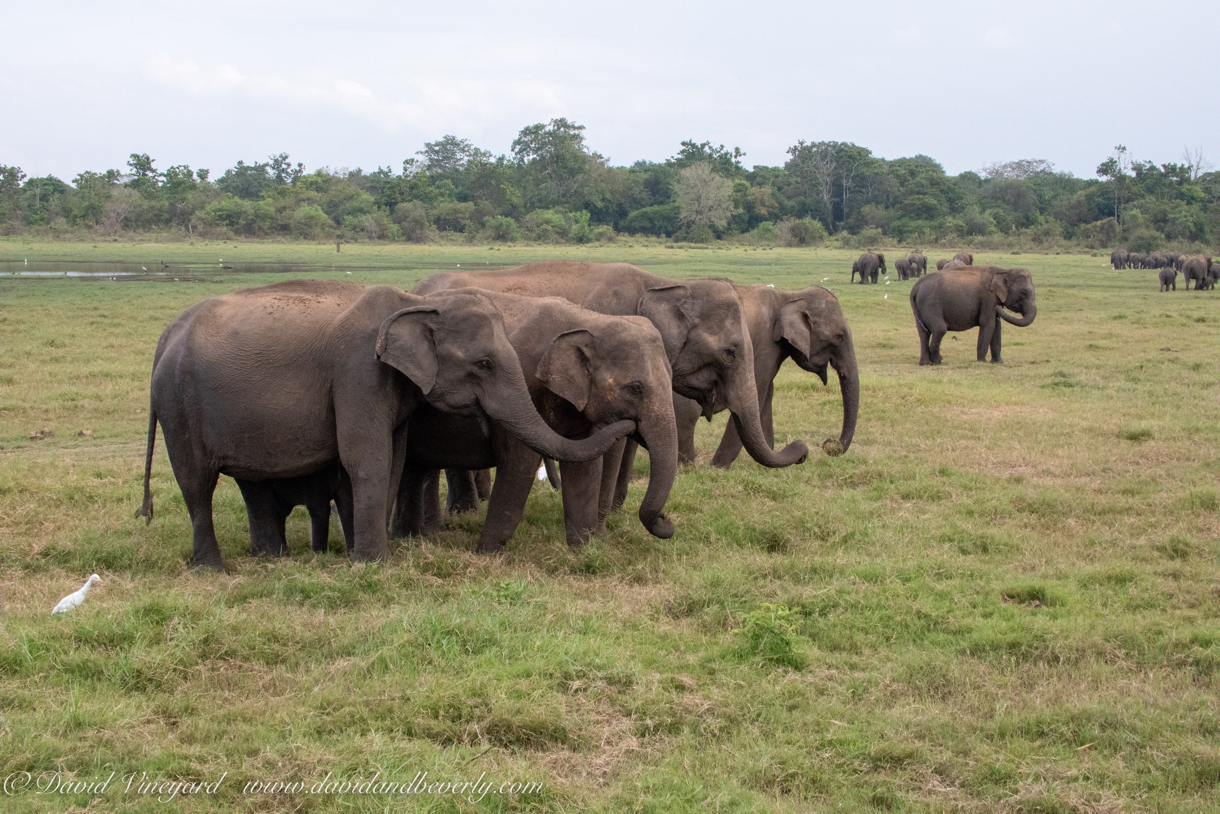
[940, 264]
[806, 326]
[1135, 260]
[1213, 274]
[960, 299]
[1156, 260]
[867, 267]
[1195, 268]
[903, 267]
[966, 258]
[919, 263]
[283, 380]
[1169, 279]
[583, 370]
[269, 502]
[1179, 260]
[955, 263]
[1118, 259]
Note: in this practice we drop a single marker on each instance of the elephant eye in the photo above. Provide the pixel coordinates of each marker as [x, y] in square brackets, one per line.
[730, 354]
[484, 365]
[635, 390]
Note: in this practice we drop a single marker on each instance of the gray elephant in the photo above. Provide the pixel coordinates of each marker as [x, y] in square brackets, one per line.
[1169, 279]
[805, 326]
[903, 266]
[964, 298]
[1135, 260]
[868, 267]
[1195, 269]
[965, 258]
[282, 381]
[1118, 259]
[955, 263]
[269, 502]
[919, 263]
[702, 325]
[1213, 274]
[583, 370]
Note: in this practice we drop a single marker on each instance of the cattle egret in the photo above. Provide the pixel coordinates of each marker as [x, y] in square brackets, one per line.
[144, 267]
[824, 279]
[73, 600]
[886, 297]
[542, 472]
[770, 286]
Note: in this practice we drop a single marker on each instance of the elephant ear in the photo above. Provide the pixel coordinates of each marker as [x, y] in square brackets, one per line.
[564, 367]
[999, 287]
[406, 343]
[793, 325]
[669, 309]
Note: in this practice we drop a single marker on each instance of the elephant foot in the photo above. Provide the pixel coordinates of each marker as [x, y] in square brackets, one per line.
[218, 567]
[492, 549]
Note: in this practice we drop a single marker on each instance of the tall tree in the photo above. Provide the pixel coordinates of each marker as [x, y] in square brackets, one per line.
[1115, 169]
[704, 198]
[555, 164]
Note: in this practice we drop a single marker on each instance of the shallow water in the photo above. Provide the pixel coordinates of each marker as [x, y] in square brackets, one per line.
[120, 271]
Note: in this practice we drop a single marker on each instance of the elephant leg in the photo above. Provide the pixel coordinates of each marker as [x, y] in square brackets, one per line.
[686, 412]
[625, 470]
[482, 483]
[463, 493]
[197, 484]
[608, 485]
[370, 468]
[516, 465]
[319, 523]
[582, 499]
[343, 503]
[431, 518]
[266, 514]
[995, 342]
[987, 329]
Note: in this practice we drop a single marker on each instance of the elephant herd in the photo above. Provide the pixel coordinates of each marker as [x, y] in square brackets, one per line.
[872, 264]
[308, 391]
[1203, 271]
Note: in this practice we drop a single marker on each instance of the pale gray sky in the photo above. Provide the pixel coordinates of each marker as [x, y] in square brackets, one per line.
[367, 82]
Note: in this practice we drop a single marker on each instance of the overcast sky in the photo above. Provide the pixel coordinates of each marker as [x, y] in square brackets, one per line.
[364, 83]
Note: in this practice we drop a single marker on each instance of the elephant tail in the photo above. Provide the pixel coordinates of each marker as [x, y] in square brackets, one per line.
[147, 509]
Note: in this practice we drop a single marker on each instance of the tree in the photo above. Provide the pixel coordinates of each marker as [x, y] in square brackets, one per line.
[814, 165]
[704, 198]
[10, 191]
[725, 162]
[1115, 169]
[555, 164]
[282, 171]
[449, 157]
[1021, 170]
[1193, 159]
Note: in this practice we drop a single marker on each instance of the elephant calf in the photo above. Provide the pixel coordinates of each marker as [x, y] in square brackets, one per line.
[1169, 279]
[269, 502]
[973, 296]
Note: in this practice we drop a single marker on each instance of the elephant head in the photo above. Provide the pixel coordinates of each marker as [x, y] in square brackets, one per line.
[455, 350]
[617, 368]
[1014, 290]
[816, 333]
[706, 341]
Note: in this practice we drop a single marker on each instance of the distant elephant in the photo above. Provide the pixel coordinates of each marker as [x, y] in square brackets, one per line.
[583, 370]
[964, 298]
[955, 263]
[1118, 259]
[282, 381]
[805, 326]
[269, 502]
[868, 266]
[919, 263]
[966, 258]
[1169, 279]
[1135, 260]
[1213, 274]
[1156, 260]
[1179, 260]
[940, 264]
[903, 267]
[1195, 268]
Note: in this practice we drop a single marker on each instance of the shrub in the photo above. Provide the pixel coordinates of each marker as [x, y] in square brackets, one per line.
[764, 234]
[581, 231]
[653, 220]
[698, 233]
[309, 222]
[500, 228]
[803, 232]
[452, 216]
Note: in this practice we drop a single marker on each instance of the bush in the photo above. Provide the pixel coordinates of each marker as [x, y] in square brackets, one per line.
[764, 234]
[546, 226]
[451, 216]
[604, 233]
[412, 219]
[699, 233]
[581, 231]
[803, 232]
[500, 228]
[240, 216]
[653, 220]
[309, 222]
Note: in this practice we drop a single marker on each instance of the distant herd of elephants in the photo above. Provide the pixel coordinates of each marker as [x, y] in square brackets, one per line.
[307, 391]
[1201, 270]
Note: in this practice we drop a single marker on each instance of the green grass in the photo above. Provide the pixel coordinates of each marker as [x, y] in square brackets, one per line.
[1002, 598]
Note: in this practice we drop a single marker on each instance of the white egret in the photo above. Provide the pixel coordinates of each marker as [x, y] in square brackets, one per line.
[74, 599]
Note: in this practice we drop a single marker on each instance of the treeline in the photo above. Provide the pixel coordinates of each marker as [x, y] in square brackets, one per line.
[553, 188]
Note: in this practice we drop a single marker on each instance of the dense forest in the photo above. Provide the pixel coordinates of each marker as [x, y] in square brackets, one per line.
[553, 188]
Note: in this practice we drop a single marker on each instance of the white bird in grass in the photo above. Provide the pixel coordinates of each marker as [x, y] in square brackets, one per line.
[824, 279]
[73, 600]
[542, 472]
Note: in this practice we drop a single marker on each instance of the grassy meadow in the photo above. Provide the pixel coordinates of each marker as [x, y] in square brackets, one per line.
[1004, 597]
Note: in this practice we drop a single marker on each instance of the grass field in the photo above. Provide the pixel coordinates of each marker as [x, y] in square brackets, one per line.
[1003, 598]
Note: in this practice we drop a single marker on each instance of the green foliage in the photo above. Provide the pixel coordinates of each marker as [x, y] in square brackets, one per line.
[770, 635]
[309, 222]
[500, 228]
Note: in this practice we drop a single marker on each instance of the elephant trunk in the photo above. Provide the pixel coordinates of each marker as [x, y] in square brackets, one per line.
[743, 402]
[660, 434]
[849, 383]
[520, 418]
[1027, 316]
